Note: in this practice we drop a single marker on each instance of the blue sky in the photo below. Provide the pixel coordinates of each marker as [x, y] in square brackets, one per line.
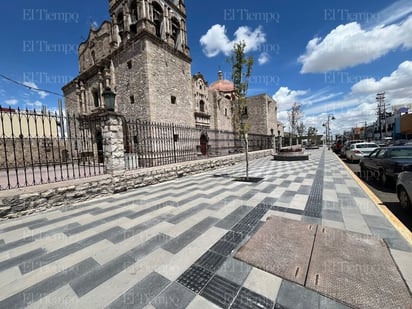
[332, 57]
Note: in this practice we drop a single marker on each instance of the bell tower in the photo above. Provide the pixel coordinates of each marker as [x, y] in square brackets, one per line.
[165, 19]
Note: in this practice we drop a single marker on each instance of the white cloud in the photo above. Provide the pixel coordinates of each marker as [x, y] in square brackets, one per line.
[35, 104]
[394, 12]
[263, 58]
[11, 101]
[399, 79]
[216, 41]
[350, 45]
[34, 87]
[286, 97]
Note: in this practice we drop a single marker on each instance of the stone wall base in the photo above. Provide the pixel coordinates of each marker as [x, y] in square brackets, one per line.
[24, 201]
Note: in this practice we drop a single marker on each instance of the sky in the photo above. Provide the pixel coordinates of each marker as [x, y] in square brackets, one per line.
[330, 57]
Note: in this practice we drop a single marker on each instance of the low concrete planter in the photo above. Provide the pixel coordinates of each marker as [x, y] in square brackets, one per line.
[291, 156]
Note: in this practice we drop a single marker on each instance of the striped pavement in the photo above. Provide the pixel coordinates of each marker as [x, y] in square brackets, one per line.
[171, 245]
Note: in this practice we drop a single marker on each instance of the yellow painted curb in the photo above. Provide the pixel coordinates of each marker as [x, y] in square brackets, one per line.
[402, 229]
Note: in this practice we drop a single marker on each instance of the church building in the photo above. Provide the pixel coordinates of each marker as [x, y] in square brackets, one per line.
[142, 55]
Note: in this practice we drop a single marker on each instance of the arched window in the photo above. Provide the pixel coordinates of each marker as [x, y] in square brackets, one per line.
[176, 32]
[158, 18]
[93, 54]
[202, 106]
[134, 16]
[95, 95]
[120, 22]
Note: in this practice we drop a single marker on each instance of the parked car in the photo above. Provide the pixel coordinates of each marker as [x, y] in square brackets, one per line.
[346, 146]
[386, 162]
[337, 146]
[404, 187]
[359, 150]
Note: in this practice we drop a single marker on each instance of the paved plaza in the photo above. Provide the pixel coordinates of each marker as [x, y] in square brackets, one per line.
[173, 245]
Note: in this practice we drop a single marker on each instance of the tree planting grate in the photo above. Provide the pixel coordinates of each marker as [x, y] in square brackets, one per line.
[223, 247]
[247, 299]
[220, 291]
[210, 261]
[195, 278]
[248, 179]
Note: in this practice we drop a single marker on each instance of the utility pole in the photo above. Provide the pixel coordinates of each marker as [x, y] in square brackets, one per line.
[381, 111]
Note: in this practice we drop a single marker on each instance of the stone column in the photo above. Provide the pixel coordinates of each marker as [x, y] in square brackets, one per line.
[113, 146]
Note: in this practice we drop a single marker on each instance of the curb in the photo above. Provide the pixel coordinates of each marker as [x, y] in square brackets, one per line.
[397, 224]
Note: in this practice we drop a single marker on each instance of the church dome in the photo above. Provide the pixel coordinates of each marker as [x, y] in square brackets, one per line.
[222, 85]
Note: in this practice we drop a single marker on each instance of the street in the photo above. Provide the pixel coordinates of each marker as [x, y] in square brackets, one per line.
[386, 194]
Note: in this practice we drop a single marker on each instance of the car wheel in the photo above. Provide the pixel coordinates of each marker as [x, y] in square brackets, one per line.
[383, 178]
[404, 198]
[363, 171]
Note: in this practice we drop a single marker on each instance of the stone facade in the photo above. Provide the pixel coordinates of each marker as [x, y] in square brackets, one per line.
[262, 114]
[142, 55]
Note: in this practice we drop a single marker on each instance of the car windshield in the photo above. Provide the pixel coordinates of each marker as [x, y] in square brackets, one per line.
[370, 145]
[401, 153]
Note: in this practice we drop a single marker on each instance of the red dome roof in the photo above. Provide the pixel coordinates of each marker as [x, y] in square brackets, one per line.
[222, 85]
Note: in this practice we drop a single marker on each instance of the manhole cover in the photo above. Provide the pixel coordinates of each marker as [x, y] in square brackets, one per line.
[352, 268]
[356, 269]
[282, 247]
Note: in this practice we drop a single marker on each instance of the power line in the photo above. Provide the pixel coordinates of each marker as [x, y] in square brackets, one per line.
[30, 87]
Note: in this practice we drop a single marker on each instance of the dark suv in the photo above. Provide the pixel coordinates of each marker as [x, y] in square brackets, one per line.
[337, 146]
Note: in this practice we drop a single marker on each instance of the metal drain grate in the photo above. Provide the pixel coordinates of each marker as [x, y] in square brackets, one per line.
[247, 299]
[195, 278]
[233, 237]
[220, 291]
[313, 206]
[211, 261]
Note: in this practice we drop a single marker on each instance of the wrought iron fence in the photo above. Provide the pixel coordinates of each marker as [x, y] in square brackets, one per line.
[150, 144]
[44, 147]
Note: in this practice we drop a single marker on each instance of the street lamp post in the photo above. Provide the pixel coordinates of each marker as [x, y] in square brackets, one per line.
[327, 129]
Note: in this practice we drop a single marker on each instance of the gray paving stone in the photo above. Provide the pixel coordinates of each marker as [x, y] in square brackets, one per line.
[234, 270]
[231, 219]
[100, 274]
[205, 224]
[304, 190]
[96, 223]
[175, 296]
[15, 244]
[187, 213]
[147, 210]
[142, 293]
[1, 242]
[125, 234]
[181, 241]
[45, 259]
[48, 285]
[287, 196]
[333, 215]
[294, 296]
[20, 258]
[20, 225]
[188, 236]
[222, 203]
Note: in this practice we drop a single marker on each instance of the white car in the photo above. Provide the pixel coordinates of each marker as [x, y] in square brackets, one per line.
[359, 150]
[404, 187]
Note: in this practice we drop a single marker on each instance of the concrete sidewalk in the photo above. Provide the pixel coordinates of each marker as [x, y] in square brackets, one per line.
[172, 245]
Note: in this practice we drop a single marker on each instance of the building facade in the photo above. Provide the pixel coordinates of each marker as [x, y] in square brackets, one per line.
[142, 55]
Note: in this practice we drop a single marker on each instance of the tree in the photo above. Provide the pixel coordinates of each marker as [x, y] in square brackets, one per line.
[241, 71]
[294, 115]
[312, 134]
[301, 128]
